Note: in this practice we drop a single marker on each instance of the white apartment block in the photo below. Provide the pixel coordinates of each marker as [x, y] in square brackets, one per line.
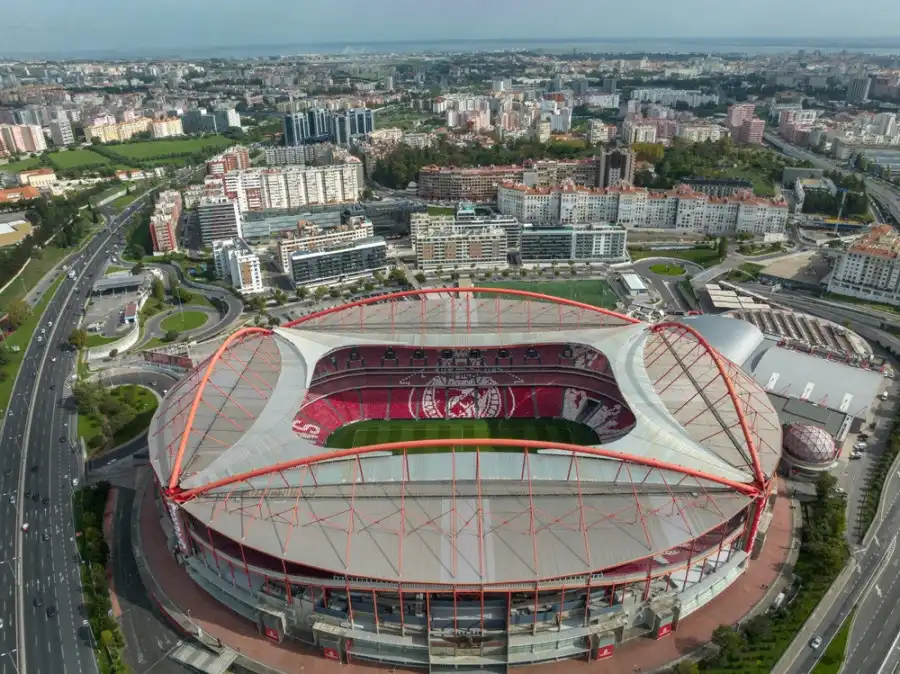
[167, 128]
[598, 132]
[870, 268]
[281, 155]
[310, 236]
[638, 131]
[633, 207]
[61, 132]
[122, 131]
[699, 132]
[23, 138]
[461, 246]
[236, 262]
[670, 97]
[289, 187]
[421, 223]
[561, 120]
[220, 218]
[583, 242]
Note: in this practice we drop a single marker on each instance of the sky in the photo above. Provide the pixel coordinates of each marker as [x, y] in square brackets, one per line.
[128, 26]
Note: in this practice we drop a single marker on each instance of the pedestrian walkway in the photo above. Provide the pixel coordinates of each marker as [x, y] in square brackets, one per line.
[172, 586]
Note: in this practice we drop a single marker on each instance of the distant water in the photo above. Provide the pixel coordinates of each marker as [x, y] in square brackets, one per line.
[733, 46]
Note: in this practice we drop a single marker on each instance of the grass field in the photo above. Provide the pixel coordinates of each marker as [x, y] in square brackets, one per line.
[19, 166]
[441, 210]
[113, 269]
[99, 340]
[155, 148]
[139, 400]
[595, 292]
[704, 256]
[187, 320]
[664, 269]
[76, 159]
[404, 430]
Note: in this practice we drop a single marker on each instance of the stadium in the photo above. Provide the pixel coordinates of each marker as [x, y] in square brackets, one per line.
[466, 478]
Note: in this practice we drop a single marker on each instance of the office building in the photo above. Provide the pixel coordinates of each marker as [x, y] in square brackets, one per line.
[349, 124]
[583, 242]
[421, 223]
[120, 131]
[220, 218]
[23, 138]
[870, 268]
[310, 236]
[164, 222]
[200, 120]
[339, 264]
[858, 90]
[289, 187]
[167, 128]
[633, 207]
[671, 97]
[604, 169]
[296, 129]
[464, 245]
[61, 132]
[235, 158]
[751, 131]
[237, 263]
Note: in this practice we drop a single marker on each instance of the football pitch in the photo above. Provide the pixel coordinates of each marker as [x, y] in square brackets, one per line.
[376, 432]
[590, 291]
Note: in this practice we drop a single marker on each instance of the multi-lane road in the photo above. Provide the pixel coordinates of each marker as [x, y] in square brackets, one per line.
[40, 594]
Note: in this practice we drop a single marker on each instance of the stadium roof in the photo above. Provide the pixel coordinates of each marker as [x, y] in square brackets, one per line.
[705, 442]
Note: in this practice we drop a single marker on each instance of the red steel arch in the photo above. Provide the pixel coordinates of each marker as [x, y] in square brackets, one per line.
[729, 385]
[747, 489]
[470, 291]
[192, 413]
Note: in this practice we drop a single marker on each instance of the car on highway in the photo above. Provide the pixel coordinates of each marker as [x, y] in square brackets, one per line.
[815, 642]
[51, 611]
[74, 481]
[25, 527]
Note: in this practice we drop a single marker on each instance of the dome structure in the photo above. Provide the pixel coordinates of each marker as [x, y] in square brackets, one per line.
[810, 445]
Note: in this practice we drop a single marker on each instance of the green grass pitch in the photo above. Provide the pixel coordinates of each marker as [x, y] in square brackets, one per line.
[374, 432]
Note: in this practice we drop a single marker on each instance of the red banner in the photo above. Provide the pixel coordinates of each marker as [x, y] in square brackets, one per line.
[272, 634]
[604, 652]
[331, 654]
[663, 630]
[168, 360]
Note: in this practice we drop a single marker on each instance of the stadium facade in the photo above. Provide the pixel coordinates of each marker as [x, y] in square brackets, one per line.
[471, 553]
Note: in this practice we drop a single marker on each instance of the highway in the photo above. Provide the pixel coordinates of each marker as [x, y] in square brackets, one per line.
[38, 465]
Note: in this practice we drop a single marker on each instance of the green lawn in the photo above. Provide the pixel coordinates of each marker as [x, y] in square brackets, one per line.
[664, 269]
[139, 399]
[76, 159]
[595, 292]
[154, 148]
[20, 338]
[762, 182]
[404, 430]
[441, 210]
[99, 340]
[113, 269]
[833, 657]
[19, 166]
[186, 320]
[704, 256]
[125, 200]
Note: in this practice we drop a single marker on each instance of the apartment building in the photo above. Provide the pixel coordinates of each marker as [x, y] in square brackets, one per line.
[671, 97]
[167, 128]
[699, 132]
[15, 194]
[61, 132]
[638, 130]
[583, 242]
[42, 178]
[421, 223]
[220, 218]
[280, 156]
[633, 207]
[870, 268]
[739, 113]
[235, 158]
[237, 263]
[751, 131]
[23, 138]
[462, 245]
[289, 187]
[121, 131]
[164, 222]
[718, 187]
[604, 169]
[598, 132]
[339, 264]
[310, 236]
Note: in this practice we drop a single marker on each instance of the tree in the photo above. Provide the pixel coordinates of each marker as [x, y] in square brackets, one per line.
[320, 292]
[302, 292]
[17, 312]
[158, 290]
[729, 643]
[334, 292]
[758, 629]
[113, 353]
[723, 248]
[686, 667]
[279, 296]
[137, 269]
[420, 277]
[825, 485]
[171, 336]
[257, 303]
[78, 338]
[86, 395]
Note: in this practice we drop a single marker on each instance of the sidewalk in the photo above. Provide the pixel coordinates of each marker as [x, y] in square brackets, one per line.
[192, 609]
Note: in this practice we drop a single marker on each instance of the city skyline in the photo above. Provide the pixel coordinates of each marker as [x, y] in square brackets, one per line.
[57, 28]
